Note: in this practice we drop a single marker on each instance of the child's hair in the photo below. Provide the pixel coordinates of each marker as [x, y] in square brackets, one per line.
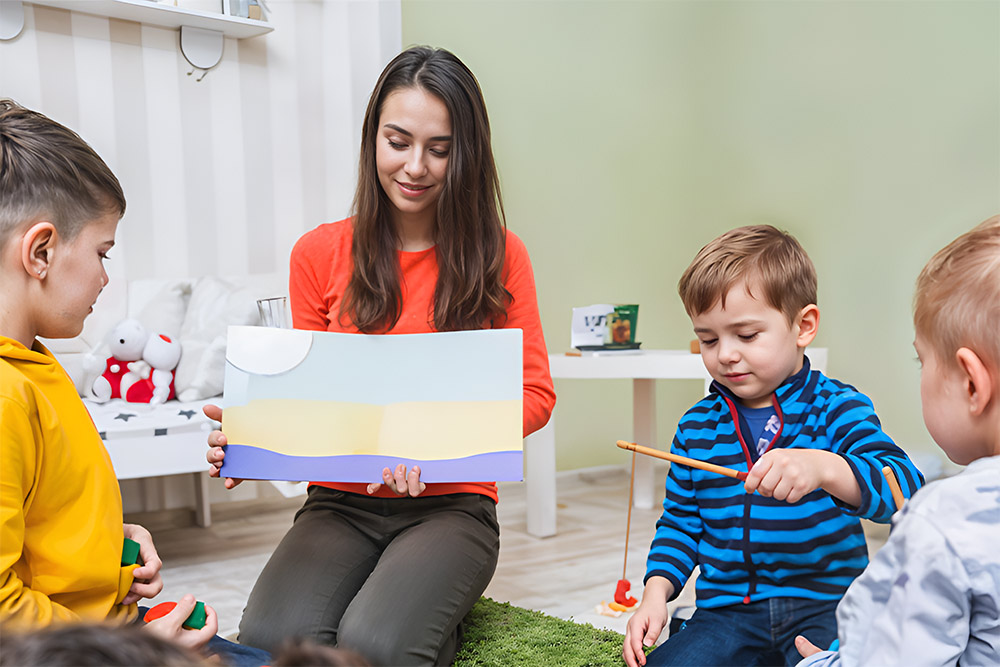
[760, 256]
[92, 644]
[470, 232]
[957, 301]
[47, 170]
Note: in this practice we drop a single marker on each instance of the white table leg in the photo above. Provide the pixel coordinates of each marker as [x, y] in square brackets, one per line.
[644, 432]
[540, 480]
[202, 508]
[152, 493]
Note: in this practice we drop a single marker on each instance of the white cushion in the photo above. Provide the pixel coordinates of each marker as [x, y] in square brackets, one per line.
[160, 305]
[214, 305]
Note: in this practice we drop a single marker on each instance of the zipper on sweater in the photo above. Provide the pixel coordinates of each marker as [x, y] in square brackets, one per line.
[748, 561]
[747, 504]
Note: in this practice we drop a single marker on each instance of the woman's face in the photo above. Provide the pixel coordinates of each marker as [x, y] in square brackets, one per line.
[411, 152]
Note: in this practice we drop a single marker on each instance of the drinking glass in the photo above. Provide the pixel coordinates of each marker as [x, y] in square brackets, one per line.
[273, 312]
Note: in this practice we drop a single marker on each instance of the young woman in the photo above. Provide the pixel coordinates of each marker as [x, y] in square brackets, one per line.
[390, 569]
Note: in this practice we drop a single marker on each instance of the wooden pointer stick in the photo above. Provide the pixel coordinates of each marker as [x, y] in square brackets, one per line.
[683, 460]
[897, 493]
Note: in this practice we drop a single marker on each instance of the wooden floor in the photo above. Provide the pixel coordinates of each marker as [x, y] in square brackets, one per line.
[566, 575]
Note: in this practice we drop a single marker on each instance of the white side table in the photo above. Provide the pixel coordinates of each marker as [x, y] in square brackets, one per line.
[168, 439]
[643, 369]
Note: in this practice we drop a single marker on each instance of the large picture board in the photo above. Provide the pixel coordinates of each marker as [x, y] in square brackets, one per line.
[320, 406]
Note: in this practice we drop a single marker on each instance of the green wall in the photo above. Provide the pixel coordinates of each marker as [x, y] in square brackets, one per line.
[629, 134]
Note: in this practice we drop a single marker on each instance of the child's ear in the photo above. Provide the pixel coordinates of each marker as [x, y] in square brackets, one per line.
[977, 380]
[36, 248]
[807, 322]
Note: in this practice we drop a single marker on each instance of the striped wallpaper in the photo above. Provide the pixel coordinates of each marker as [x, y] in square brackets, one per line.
[221, 175]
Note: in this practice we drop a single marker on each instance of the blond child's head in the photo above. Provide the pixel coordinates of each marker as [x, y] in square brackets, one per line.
[59, 209]
[956, 315]
[751, 295]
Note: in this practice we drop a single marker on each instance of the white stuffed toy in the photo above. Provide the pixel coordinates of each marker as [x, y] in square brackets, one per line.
[140, 368]
[125, 342]
[153, 381]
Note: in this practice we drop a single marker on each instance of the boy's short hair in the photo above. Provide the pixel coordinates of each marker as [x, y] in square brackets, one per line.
[47, 170]
[758, 255]
[96, 644]
[957, 301]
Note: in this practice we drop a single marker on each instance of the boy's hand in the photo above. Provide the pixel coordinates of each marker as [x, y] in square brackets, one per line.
[647, 622]
[791, 474]
[170, 626]
[400, 482]
[216, 442]
[805, 647]
[147, 583]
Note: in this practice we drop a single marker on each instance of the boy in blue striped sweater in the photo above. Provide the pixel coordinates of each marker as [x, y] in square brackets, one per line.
[777, 552]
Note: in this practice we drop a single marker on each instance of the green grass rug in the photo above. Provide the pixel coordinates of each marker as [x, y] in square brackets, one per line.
[503, 635]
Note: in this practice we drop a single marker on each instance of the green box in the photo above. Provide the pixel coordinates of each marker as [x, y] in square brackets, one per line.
[130, 552]
[196, 621]
[622, 324]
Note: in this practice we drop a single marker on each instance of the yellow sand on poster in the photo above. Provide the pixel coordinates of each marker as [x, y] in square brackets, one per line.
[420, 430]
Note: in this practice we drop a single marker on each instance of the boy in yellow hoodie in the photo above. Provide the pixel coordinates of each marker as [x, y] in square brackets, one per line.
[61, 530]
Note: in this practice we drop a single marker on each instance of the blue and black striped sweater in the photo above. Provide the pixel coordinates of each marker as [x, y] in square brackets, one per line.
[749, 547]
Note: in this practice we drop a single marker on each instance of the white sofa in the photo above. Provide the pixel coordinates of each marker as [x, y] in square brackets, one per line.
[168, 439]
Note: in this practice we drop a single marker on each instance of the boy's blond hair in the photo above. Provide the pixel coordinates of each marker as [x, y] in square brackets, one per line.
[48, 171]
[761, 256]
[957, 302]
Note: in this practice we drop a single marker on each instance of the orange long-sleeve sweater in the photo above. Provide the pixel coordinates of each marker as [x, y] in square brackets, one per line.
[321, 267]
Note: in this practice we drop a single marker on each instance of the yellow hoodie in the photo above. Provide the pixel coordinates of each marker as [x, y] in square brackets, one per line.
[61, 523]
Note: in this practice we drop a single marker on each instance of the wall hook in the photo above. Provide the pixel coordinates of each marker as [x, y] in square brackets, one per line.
[202, 48]
[11, 19]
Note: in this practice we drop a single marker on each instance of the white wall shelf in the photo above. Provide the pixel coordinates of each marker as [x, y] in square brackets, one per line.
[201, 33]
[163, 15]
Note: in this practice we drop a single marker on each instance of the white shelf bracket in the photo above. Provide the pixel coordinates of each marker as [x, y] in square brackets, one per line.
[202, 48]
[11, 19]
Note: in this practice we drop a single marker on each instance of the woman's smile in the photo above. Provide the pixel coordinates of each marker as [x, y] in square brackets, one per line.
[411, 189]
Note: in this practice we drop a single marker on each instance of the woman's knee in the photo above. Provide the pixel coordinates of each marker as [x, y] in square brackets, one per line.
[385, 643]
[257, 632]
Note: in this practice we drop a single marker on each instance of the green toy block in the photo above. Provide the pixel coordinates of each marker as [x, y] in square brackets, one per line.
[196, 621]
[130, 552]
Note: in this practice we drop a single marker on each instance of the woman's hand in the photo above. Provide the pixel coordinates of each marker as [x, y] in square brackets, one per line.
[216, 442]
[147, 582]
[401, 483]
[170, 626]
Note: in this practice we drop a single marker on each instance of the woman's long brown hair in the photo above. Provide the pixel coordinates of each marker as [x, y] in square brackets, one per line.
[471, 228]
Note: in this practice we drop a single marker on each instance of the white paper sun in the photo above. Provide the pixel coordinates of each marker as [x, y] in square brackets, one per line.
[266, 351]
